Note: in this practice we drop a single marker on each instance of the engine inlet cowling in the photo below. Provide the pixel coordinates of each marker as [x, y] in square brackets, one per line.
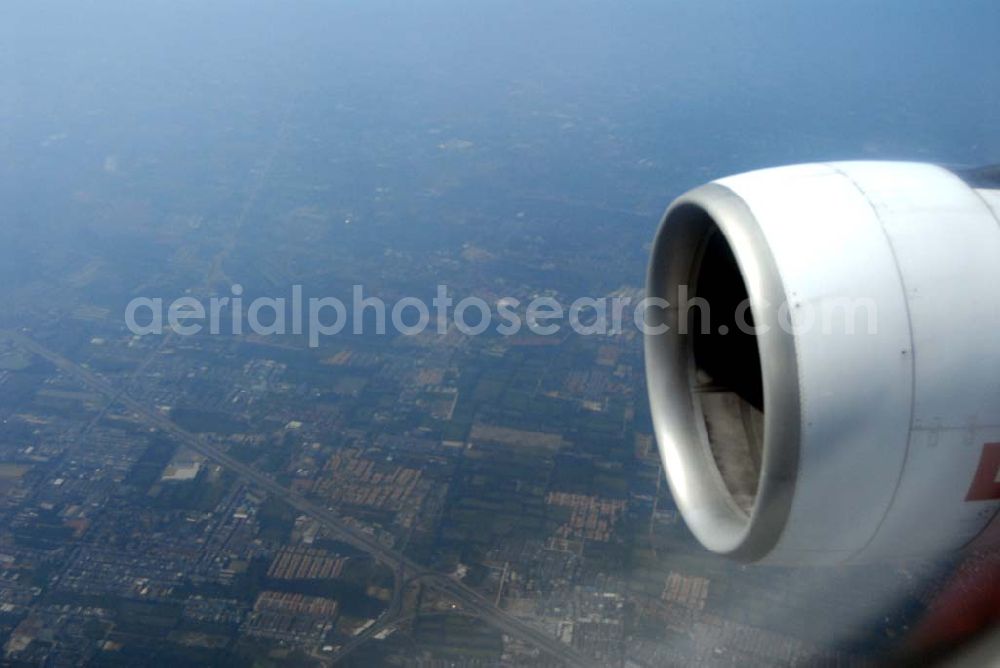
[812, 399]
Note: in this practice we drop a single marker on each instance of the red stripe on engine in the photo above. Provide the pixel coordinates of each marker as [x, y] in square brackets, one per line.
[986, 483]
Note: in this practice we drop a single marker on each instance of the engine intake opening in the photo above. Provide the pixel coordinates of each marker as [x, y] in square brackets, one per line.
[724, 406]
[726, 379]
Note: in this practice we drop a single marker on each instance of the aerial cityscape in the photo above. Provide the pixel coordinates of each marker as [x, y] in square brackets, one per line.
[435, 499]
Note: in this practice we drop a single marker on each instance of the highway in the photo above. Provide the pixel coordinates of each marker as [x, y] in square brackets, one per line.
[468, 598]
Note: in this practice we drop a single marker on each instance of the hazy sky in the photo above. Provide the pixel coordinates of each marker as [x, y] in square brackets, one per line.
[666, 94]
[907, 78]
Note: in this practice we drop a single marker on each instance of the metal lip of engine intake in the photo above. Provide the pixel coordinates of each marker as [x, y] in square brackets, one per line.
[695, 480]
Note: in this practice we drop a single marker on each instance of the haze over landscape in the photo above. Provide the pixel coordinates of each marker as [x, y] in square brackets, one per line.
[385, 499]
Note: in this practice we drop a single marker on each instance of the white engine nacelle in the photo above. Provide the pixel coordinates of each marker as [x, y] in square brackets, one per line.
[852, 411]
